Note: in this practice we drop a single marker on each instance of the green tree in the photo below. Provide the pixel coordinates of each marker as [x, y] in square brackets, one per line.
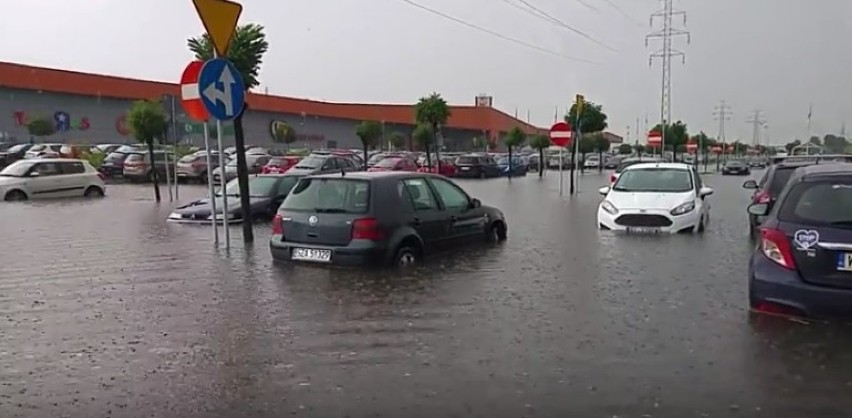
[370, 132]
[640, 149]
[588, 144]
[432, 111]
[791, 145]
[41, 127]
[284, 134]
[835, 144]
[592, 118]
[147, 120]
[246, 51]
[397, 140]
[601, 146]
[815, 140]
[675, 136]
[540, 143]
[625, 149]
[515, 138]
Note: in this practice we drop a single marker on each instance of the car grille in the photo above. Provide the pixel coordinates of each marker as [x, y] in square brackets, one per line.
[643, 220]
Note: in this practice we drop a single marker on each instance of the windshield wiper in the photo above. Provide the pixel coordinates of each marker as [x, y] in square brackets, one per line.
[304, 167]
[330, 210]
[841, 223]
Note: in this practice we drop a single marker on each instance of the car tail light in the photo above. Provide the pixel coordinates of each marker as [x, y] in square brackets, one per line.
[612, 178]
[101, 176]
[277, 225]
[762, 197]
[367, 228]
[776, 247]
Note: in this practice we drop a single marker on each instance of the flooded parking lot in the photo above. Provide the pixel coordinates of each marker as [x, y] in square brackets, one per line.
[108, 310]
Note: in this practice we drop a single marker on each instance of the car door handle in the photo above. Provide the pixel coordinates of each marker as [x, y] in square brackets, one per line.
[415, 221]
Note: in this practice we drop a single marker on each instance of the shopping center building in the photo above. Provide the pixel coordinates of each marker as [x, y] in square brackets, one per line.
[91, 108]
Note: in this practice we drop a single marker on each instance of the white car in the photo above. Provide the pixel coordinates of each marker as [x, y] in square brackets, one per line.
[43, 151]
[50, 178]
[592, 162]
[656, 197]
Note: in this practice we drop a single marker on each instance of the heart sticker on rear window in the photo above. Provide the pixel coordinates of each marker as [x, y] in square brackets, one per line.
[806, 239]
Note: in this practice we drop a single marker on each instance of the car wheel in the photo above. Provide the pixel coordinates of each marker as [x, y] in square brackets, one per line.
[94, 191]
[407, 256]
[15, 196]
[496, 232]
[701, 225]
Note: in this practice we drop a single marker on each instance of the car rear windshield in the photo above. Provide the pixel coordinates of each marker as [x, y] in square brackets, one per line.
[312, 161]
[17, 148]
[135, 157]
[654, 180]
[827, 203]
[388, 162]
[17, 169]
[261, 186]
[780, 179]
[468, 160]
[324, 195]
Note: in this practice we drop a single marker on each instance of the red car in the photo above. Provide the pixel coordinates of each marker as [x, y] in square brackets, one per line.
[279, 165]
[394, 164]
[448, 168]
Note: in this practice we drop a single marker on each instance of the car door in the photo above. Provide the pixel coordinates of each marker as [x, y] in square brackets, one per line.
[73, 178]
[465, 220]
[46, 180]
[425, 214]
[699, 184]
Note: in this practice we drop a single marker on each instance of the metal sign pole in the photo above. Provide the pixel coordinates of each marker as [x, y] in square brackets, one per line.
[175, 133]
[560, 171]
[211, 190]
[168, 172]
[223, 181]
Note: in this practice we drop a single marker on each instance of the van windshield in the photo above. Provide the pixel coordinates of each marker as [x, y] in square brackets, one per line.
[329, 195]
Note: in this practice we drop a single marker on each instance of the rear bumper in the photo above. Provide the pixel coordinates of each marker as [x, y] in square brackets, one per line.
[361, 254]
[769, 282]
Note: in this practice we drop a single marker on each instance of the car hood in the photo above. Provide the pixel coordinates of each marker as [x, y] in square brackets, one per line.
[202, 206]
[648, 200]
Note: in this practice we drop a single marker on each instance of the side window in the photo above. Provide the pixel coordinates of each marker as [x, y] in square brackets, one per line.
[262, 160]
[344, 163]
[404, 196]
[699, 183]
[421, 195]
[73, 168]
[451, 195]
[47, 169]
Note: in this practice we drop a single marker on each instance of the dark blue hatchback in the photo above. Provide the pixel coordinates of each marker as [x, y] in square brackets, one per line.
[802, 265]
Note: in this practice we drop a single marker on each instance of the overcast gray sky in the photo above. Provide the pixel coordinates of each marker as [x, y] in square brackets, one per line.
[775, 55]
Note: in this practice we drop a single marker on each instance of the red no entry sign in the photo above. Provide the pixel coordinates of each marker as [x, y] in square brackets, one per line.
[655, 138]
[190, 94]
[560, 134]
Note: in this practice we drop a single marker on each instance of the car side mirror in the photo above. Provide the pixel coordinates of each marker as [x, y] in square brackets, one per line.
[475, 203]
[705, 191]
[750, 184]
[604, 190]
[758, 209]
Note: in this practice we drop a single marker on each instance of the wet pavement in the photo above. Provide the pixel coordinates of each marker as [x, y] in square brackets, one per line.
[107, 310]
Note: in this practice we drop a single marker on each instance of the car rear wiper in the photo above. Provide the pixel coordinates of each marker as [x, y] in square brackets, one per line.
[841, 223]
[330, 210]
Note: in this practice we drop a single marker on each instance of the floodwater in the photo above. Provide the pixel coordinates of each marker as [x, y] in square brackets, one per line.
[107, 310]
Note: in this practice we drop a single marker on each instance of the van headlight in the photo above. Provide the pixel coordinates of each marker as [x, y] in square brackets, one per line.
[683, 209]
[609, 207]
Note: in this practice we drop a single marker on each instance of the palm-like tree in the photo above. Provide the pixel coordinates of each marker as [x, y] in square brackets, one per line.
[147, 120]
[246, 52]
[432, 111]
[540, 143]
[369, 132]
[515, 138]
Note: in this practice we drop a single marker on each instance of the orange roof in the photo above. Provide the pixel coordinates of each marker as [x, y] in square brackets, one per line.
[71, 82]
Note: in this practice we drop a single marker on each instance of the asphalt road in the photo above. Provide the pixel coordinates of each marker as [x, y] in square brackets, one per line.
[109, 311]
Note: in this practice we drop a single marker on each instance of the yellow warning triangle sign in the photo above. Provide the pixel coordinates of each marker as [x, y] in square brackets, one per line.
[220, 20]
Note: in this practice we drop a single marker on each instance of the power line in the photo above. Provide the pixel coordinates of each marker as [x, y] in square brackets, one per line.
[565, 25]
[537, 14]
[497, 34]
[623, 13]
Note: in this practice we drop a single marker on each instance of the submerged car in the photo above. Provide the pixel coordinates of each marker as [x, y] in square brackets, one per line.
[378, 218]
[266, 192]
[736, 167]
[802, 265]
[518, 167]
[656, 197]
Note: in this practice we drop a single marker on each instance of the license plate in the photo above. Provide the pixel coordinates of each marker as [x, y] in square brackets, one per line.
[465, 168]
[844, 261]
[311, 254]
[643, 230]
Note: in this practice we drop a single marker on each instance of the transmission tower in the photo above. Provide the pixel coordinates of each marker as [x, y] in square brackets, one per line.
[758, 121]
[666, 34]
[722, 113]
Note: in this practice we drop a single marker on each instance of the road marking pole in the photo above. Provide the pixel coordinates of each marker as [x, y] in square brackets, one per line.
[223, 182]
[210, 189]
[560, 171]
